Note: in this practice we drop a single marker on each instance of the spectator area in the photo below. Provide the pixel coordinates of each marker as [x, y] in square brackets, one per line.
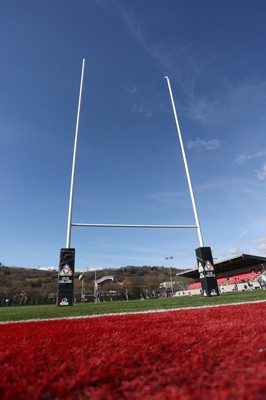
[240, 278]
[232, 271]
[243, 263]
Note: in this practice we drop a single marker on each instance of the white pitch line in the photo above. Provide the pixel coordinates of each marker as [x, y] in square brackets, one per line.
[131, 313]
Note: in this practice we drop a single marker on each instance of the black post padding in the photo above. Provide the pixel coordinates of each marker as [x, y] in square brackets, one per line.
[206, 272]
[66, 278]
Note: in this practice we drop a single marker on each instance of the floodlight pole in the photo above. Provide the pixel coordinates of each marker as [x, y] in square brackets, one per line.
[186, 166]
[170, 269]
[69, 222]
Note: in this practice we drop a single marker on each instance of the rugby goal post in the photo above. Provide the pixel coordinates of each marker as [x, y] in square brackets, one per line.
[63, 284]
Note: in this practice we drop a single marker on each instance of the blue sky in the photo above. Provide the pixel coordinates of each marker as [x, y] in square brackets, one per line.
[129, 163]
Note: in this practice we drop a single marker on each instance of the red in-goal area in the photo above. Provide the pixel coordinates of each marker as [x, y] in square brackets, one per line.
[208, 353]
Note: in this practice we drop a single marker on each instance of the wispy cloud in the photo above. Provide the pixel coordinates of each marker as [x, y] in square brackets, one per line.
[261, 245]
[101, 3]
[140, 106]
[233, 251]
[185, 65]
[131, 90]
[228, 250]
[204, 144]
[241, 158]
[198, 109]
[261, 174]
[165, 54]
[136, 30]
[165, 197]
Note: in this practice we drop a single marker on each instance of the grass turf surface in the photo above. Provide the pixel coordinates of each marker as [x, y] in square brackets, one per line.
[197, 354]
[19, 313]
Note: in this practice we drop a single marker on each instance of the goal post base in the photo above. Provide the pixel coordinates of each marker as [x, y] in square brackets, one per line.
[206, 270]
[66, 272]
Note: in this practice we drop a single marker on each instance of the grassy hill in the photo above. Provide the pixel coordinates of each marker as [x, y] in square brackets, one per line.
[34, 286]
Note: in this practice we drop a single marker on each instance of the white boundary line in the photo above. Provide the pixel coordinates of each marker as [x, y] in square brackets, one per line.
[131, 313]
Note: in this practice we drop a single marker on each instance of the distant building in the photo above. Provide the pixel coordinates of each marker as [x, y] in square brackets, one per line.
[47, 269]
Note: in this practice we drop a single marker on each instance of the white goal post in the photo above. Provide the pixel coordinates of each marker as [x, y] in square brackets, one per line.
[70, 224]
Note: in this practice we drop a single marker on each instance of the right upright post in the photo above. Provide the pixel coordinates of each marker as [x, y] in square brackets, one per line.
[204, 255]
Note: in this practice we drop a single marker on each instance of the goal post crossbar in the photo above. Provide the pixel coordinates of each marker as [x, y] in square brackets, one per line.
[133, 226]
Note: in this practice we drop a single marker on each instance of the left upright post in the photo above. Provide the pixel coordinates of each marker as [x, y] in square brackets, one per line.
[67, 255]
[70, 208]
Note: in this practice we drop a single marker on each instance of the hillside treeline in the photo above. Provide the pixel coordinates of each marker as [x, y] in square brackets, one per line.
[20, 286]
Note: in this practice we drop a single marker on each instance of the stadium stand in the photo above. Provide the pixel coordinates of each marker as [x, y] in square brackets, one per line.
[244, 271]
